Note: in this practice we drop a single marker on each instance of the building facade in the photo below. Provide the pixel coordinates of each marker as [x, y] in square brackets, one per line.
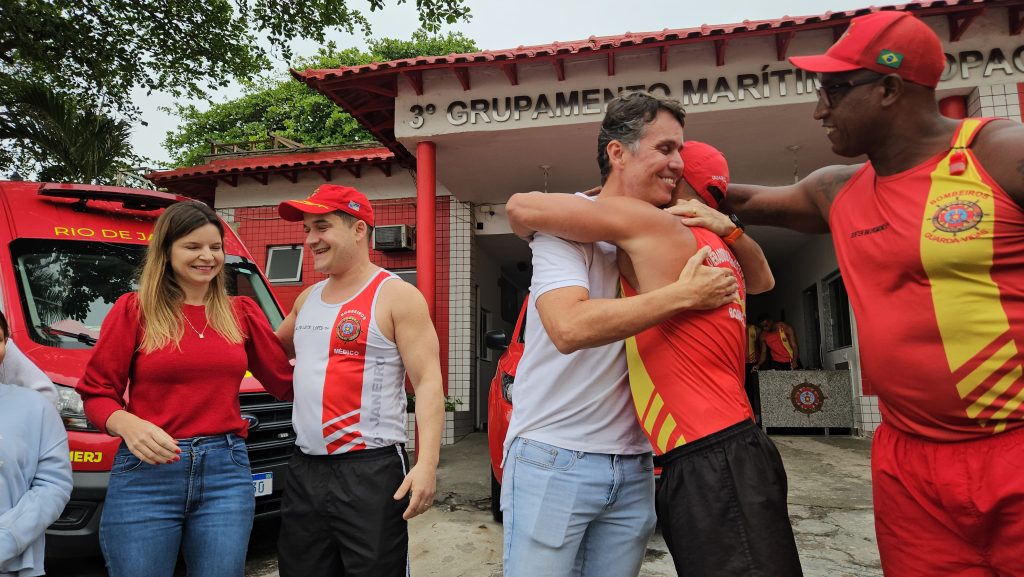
[461, 133]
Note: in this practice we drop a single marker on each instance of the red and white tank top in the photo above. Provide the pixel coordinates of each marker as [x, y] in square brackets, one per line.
[349, 377]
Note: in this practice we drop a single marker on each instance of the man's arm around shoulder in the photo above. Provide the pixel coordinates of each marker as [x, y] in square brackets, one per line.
[567, 216]
[574, 321]
[803, 206]
[756, 272]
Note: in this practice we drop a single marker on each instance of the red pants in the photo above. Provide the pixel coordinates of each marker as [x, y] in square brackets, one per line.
[949, 509]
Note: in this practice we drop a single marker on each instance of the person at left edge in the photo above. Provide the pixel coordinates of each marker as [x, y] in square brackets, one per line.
[181, 478]
[35, 473]
[349, 492]
[17, 369]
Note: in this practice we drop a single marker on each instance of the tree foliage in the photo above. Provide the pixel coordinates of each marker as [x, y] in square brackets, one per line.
[291, 109]
[57, 136]
[102, 49]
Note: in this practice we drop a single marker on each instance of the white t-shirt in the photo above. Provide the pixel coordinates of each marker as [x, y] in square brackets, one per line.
[580, 401]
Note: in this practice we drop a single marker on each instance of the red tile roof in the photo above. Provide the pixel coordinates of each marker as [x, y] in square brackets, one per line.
[201, 181]
[272, 162]
[629, 39]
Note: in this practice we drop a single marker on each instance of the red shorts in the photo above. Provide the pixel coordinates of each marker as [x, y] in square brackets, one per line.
[950, 509]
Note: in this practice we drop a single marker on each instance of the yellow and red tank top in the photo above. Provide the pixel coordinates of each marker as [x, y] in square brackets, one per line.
[778, 344]
[349, 377]
[686, 373]
[934, 261]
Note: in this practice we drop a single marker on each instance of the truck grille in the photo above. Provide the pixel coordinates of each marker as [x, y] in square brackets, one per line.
[270, 442]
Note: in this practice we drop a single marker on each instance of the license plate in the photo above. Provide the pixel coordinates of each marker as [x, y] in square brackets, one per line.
[262, 483]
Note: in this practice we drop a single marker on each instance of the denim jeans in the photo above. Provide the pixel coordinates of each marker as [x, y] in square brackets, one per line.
[575, 513]
[202, 504]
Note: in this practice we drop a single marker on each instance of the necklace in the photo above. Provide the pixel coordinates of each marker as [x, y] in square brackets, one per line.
[202, 333]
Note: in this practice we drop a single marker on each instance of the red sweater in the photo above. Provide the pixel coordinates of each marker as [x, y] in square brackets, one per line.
[189, 392]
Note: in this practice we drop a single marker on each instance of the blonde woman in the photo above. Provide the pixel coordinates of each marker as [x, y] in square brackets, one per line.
[181, 477]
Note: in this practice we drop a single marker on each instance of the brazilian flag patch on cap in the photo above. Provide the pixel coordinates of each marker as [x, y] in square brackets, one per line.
[890, 58]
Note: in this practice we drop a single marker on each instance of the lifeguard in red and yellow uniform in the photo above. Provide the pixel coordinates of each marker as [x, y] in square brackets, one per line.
[930, 240]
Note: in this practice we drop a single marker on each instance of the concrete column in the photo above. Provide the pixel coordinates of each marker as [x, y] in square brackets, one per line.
[426, 234]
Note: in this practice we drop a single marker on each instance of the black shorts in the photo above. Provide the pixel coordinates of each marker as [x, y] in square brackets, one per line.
[722, 506]
[338, 517]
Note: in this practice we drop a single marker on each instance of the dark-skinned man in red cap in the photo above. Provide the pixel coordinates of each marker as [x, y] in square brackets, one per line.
[929, 234]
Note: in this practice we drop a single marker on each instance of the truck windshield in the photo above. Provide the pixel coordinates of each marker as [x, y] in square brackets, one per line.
[68, 287]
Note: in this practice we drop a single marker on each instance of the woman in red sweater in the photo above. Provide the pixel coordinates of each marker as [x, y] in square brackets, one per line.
[181, 478]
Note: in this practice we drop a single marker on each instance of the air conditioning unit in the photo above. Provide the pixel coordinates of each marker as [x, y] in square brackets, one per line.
[394, 237]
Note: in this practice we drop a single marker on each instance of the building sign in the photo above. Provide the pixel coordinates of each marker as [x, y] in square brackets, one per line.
[694, 93]
[964, 63]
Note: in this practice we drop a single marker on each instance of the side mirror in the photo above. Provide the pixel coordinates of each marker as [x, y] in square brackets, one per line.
[496, 339]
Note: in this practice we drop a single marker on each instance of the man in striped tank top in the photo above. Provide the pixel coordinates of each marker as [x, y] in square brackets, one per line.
[929, 234]
[354, 337]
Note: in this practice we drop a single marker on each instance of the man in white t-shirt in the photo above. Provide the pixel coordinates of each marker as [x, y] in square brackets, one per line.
[578, 488]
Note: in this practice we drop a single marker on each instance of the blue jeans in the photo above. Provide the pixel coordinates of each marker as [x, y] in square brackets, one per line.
[575, 513]
[203, 504]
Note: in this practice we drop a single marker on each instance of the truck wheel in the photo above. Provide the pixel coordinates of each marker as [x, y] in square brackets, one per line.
[495, 498]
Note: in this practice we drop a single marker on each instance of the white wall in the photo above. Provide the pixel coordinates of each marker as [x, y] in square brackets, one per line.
[373, 183]
[693, 62]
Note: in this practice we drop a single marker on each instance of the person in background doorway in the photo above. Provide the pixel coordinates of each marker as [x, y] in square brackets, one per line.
[181, 479]
[779, 350]
[35, 474]
[752, 361]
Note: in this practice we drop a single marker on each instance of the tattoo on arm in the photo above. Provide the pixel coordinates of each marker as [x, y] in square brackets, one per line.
[1020, 167]
[829, 185]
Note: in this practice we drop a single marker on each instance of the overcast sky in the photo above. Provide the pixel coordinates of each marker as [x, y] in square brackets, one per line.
[498, 25]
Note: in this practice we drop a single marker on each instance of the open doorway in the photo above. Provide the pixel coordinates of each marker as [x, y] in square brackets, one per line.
[812, 328]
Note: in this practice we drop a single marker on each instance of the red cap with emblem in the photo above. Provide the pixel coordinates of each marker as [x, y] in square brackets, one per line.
[887, 42]
[329, 198]
[705, 170]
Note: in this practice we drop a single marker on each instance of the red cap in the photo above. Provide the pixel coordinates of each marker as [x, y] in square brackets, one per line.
[886, 42]
[329, 198]
[705, 167]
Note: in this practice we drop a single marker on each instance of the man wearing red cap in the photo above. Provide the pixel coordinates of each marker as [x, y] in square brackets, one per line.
[355, 336]
[929, 235]
[722, 500]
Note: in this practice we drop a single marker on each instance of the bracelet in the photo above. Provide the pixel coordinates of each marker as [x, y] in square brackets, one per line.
[733, 236]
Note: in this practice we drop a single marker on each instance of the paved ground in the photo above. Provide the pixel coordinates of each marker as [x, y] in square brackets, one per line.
[829, 497]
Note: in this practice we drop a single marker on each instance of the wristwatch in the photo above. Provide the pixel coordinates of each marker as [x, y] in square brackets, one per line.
[736, 232]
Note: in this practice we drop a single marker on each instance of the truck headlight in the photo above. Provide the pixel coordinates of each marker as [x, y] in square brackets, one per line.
[72, 410]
